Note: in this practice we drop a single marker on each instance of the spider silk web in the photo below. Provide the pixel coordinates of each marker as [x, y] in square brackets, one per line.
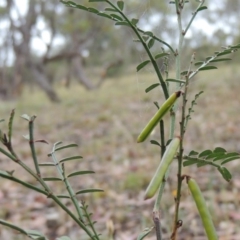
[147, 76]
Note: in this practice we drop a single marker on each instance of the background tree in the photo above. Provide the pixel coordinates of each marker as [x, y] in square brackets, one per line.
[23, 61]
[46, 42]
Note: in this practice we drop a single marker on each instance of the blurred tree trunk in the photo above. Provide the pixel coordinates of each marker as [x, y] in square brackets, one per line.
[21, 37]
[80, 73]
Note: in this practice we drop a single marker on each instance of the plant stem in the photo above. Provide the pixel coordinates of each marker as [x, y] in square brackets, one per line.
[10, 125]
[163, 148]
[71, 191]
[55, 198]
[177, 223]
[162, 136]
[173, 113]
[180, 157]
[81, 224]
[193, 16]
[179, 7]
[25, 184]
[153, 61]
[156, 220]
[68, 186]
[32, 146]
[156, 209]
[159, 40]
[7, 154]
[178, 55]
[47, 191]
[15, 158]
[88, 216]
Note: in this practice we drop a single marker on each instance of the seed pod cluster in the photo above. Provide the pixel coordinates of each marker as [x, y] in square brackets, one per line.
[167, 159]
[202, 209]
[167, 105]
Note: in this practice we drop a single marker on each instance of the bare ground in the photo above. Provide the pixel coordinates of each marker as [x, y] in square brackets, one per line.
[105, 124]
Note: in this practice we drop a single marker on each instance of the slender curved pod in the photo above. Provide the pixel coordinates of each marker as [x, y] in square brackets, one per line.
[167, 159]
[167, 105]
[202, 209]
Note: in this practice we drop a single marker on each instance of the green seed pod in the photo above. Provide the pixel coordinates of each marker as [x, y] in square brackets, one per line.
[162, 168]
[167, 105]
[202, 209]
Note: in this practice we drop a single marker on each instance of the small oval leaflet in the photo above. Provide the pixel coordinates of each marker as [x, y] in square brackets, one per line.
[154, 142]
[66, 146]
[46, 164]
[190, 162]
[81, 7]
[104, 15]
[123, 23]
[134, 21]
[80, 173]
[118, 18]
[63, 196]
[224, 53]
[152, 87]
[70, 158]
[148, 33]
[160, 55]
[207, 68]
[221, 59]
[193, 153]
[52, 179]
[110, 9]
[120, 5]
[93, 10]
[205, 153]
[90, 190]
[151, 43]
[225, 173]
[175, 80]
[142, 65]
[201, 8]
[198, 63]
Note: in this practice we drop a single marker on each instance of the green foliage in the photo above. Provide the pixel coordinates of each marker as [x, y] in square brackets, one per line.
[151, 87]
[204, 65]
[142, 65]
[217, 158]
[137, 31]
[29, 233]
[82, 212]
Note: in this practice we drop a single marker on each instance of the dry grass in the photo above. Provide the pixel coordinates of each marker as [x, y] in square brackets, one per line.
[105, 124]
